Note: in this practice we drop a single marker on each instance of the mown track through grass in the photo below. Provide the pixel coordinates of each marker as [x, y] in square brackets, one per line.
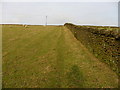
[50, 57]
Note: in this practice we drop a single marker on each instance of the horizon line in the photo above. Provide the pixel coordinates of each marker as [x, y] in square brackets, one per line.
[60, 24]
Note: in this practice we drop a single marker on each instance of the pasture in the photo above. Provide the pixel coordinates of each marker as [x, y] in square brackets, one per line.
[50, 57]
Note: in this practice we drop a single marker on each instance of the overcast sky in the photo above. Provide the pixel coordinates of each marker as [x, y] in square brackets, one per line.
[95, 13]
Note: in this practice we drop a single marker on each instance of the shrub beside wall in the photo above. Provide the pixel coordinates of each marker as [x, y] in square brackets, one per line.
[103, 43]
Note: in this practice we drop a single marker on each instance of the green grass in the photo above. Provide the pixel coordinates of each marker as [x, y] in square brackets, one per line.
[50, 57]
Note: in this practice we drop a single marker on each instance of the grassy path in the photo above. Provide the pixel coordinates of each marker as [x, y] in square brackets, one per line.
[44, 57]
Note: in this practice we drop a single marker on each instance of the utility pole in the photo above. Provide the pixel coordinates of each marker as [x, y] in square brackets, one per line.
[46, 20]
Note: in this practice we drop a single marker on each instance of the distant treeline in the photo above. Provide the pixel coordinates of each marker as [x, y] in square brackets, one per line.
[103, 42]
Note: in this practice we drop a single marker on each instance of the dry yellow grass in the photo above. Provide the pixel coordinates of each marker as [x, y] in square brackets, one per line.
[50, 57]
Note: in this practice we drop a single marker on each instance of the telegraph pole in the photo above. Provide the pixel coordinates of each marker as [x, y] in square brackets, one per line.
[46, 20]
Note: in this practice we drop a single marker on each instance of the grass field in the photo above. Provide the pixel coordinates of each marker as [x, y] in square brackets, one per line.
[50, 57]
